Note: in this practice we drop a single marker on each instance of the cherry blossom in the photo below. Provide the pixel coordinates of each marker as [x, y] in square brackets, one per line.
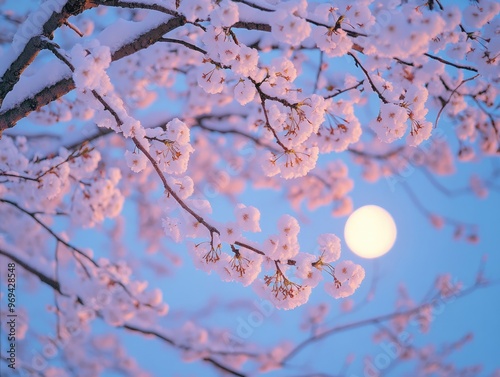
[137, 136]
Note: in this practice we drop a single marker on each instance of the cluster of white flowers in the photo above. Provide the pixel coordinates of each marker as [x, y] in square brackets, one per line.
[332, 42]
[12, 158]
[477, 16]
[309, 266]
[211, 78]
[245, 61]
[223, 52]
[108, 289]
[281, 74]
[86, 166]
[338, 132]
[279, 87]
[281, 291]
[407, 24]
[348, 277]
[289, 25]
[223, 49]
[136, 161]
[90, 63]
[247, 218]
[45, 182]
[243, 265]
[195, 10]
[283, 255]
[390, 124]
[97, 199]
[355, 16]
[295, 125]
[285, 244]
[244, 91]
[279, 256]
[225, 14]
[414, 100]
[291, 163]
[171, 147]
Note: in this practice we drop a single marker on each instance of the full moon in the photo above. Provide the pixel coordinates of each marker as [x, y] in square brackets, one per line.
[370, 231]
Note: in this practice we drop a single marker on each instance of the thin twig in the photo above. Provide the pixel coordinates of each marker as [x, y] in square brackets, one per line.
[246, 246]
[54, 284]
[184, 43]
[74, 28]
[51, 232]
[468, 68]
[340, 91]
[318, 73]
[374, 88]
[369, 321]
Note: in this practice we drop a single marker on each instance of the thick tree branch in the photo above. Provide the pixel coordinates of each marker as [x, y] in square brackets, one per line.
[252, 26]
[11, 76]
[351, 33]
[148, 38]
[43, 278]
[135, 5]
[9, 117]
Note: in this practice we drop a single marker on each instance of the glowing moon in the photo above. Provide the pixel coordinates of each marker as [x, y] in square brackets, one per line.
[370, 231]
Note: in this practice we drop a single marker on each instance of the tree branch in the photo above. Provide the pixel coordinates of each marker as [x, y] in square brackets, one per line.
[51, 232]
[446, 102]
[11, 76]
[181, 346]
[135, 5]
[234, 131]
[340, 91]
[374, 88]
[43, 278]
[249, 247]
[450, 63]
[167, 187]
[380, 156]
[252, 26]
[57, 287]
[372, 321]
[9, 117]
[184, 43]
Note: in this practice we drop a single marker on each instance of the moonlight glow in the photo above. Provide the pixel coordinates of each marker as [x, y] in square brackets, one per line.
[370, 231]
